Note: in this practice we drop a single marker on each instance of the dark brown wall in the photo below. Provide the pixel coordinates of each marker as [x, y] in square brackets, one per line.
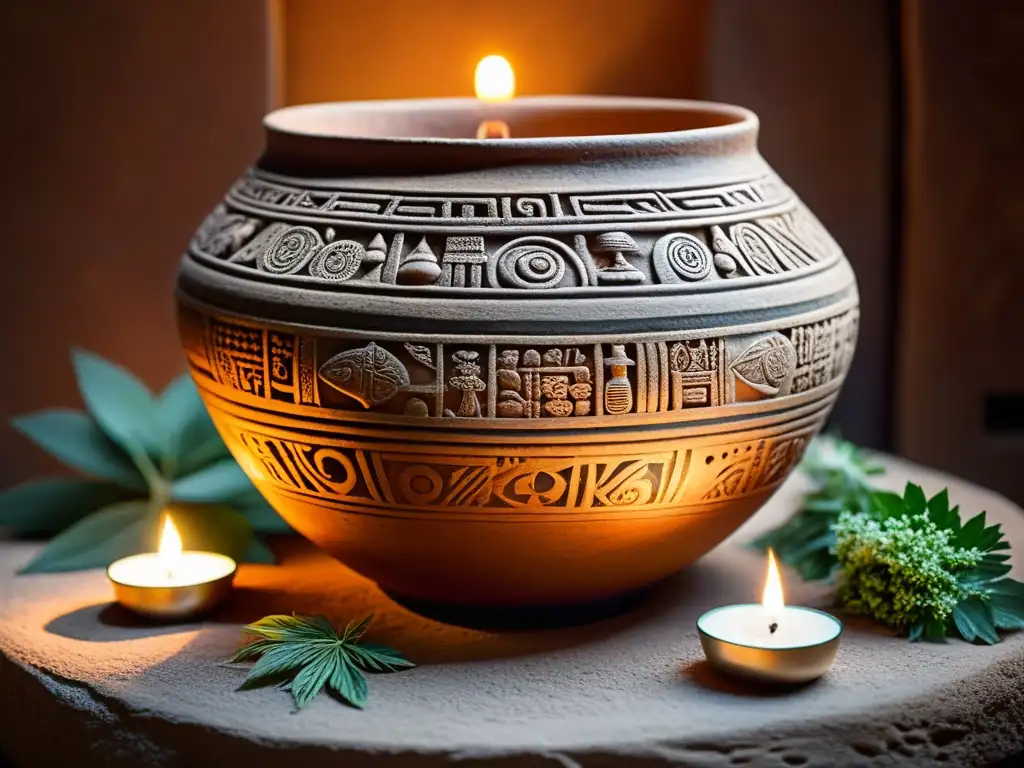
[123, 122]
[823, 77]
[961, 306]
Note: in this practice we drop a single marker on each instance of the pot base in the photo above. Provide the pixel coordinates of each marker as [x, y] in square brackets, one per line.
[524, 618]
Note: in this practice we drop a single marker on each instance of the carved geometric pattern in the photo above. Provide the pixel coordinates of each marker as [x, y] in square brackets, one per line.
[491, 478]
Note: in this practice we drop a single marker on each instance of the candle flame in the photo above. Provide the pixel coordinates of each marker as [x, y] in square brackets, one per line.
[170, 541]
[772, 598]
[494, 79]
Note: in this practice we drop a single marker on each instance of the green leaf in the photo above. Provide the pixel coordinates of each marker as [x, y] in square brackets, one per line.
[213, 528]
[218, 482]
[293, 628]
[51, 504]
[278, 663]
[985, 571]
[348, 684]
[914, 500]
[192, 438]
[121, 404]
[379, 658]
[990, 537]
[938, 509]
[307, 654]
[969, 536]
[96, 541]
[314, 675]
[1006, 601]
[887, 504]
[974, 621]
[259, 513]
[76, 440]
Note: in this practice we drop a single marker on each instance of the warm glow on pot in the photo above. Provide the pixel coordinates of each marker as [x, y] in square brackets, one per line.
[494, 79]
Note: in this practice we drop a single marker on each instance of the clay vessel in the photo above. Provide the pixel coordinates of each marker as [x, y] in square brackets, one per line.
[516, 372]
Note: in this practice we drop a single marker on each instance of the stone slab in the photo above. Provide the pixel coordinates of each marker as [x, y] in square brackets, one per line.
[79, 680]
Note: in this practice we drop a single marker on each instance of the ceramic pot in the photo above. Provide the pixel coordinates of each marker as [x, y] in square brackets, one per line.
[516, 372]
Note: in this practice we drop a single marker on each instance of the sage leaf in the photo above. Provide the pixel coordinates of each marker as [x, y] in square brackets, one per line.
[193, 441]
[50, 504]
[121, 404]
[218, 482]
[96, 541]
[77, 440]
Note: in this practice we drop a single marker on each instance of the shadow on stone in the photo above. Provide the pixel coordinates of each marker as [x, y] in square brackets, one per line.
[108, 623]
[702, 674]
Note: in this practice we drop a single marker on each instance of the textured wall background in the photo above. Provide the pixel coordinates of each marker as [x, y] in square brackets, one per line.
[123, 123]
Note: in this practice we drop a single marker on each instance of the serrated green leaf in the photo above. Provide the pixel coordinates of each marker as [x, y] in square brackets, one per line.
[218, 482]
[51, 504]
[284, 628]
[305, 653]
[278, 663]
[938, 508]
[77, 441]
[348, 683]
[251, 651]
[120, 403]
[887, 504]
[314, 675]
[355, 629]
[914, 500]
[985, 571]
[990, 537]
[379, 658]
[974, 621]
[969, 536]
[97, 540]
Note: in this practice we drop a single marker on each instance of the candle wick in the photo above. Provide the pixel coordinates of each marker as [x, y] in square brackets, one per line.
[772, 627]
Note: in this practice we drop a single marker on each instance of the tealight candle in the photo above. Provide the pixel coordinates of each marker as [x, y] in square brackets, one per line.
[494, 82]
[171, 584]
[770, 642]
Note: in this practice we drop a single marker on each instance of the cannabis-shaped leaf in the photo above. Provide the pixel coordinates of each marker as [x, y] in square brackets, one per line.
[842, 476]
[305, 655]
[912, 565]
[142, 454]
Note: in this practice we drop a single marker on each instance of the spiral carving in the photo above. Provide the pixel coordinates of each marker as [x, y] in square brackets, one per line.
[531, 206]
[680, 257]
[338, 261]
[290, 251]
[531, 266]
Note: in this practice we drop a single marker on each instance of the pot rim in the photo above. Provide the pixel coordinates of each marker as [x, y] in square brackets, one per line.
[323, 138]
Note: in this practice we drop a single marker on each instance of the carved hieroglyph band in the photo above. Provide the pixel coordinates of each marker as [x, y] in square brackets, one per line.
[571, 384]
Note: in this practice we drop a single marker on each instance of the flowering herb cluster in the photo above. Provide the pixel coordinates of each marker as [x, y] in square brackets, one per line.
[907, 561]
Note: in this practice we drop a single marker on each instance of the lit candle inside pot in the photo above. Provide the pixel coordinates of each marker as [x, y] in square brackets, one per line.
[495, 83]
[770, 641]
[172, 583]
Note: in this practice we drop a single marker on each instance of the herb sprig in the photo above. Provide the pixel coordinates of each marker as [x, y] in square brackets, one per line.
[907, 561]
[913, 565]
[305, 655]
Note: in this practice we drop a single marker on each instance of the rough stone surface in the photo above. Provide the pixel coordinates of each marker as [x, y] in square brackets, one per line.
[80, 679]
